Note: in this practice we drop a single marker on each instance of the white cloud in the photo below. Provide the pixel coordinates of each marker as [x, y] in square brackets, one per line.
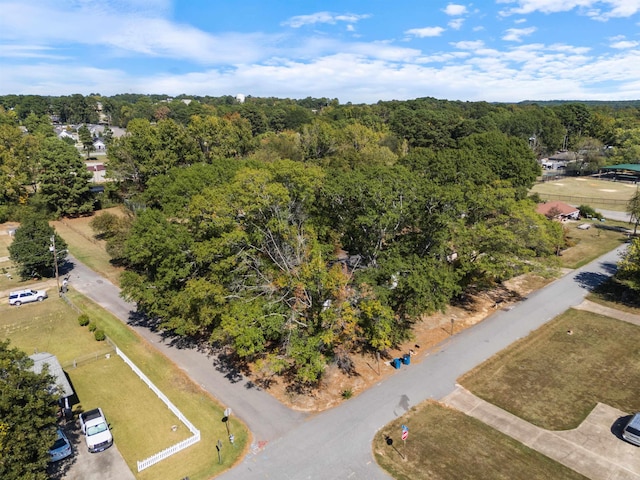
[559, 47]
[455, 10]
[128, 33]
[322, 17]
[425, 32]
[624, 45]
[516, 34]
[469, 45]
[29, 51]
[456, 24]
[527, 72]
[597, 9]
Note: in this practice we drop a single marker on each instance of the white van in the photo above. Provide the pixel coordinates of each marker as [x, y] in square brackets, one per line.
[631, 433]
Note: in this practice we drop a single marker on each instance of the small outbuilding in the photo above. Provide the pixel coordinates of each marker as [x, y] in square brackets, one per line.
[558, 211]
[55, 369]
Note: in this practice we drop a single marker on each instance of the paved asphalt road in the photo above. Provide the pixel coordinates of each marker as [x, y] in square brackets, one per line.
[613, 215]
[336, 444]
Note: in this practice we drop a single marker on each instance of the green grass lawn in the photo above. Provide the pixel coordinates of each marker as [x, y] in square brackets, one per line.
[86, 248]
[592, 243]
[9, 278]
[553, 379]
[49, 326]
[587, 190]
[5, 239]
[445, 444]
[142, 424]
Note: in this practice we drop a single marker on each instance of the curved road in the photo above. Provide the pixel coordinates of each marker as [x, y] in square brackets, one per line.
[337, 443]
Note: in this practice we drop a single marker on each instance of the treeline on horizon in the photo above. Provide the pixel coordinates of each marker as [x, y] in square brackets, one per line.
[300, 232]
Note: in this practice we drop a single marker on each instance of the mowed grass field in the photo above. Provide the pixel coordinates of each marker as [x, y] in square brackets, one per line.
[554, 377]
[590, 191]
[85, 247]
[445, 444]
[142, 424]
[587, 245]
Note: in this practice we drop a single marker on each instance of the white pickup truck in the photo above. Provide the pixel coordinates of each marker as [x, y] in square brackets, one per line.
[96, 430]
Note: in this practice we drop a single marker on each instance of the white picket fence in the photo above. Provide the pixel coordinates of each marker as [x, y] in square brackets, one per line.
[153, 459]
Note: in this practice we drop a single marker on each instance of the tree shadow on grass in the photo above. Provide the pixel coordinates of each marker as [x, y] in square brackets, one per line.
[613, 290]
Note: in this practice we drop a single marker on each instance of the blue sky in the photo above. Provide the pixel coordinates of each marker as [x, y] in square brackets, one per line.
[356, 51]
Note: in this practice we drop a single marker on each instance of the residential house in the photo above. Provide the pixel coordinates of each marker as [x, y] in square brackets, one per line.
[558, 211]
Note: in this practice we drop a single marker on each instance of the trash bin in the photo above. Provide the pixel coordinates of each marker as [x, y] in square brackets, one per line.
[396, 363]
[406, 359]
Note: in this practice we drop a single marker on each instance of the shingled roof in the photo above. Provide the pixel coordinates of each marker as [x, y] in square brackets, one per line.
[562, 209]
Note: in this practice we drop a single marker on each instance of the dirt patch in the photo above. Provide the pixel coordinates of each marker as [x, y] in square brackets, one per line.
[428, 332]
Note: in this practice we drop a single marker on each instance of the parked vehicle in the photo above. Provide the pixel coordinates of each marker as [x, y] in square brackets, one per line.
[25, 296]
[96, 430]
[61, 448]
[631, 432]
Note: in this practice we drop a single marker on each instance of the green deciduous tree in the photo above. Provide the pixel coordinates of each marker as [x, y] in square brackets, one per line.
[64, 180]
[27, 416]
[114, 229]
[633, 208]
[30, 248]
[629, 266]
[509, 158]
[19, 162]
[158, 254]
[224, 137]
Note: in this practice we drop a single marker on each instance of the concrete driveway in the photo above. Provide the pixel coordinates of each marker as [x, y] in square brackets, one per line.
[82, 465]
[594, 449]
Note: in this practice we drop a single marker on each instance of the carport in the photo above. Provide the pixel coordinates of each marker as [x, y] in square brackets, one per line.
[623, 171]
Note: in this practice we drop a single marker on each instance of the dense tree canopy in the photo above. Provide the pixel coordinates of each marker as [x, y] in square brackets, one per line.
[298, 232]
[27, 416]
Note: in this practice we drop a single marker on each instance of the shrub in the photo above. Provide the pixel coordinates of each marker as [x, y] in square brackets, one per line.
[347, 394]
[93, 327]
[535, 197]
[99, 335]
[83, 320]
[588, 212]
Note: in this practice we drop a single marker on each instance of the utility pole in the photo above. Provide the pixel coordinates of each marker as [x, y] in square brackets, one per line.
[52, 248]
